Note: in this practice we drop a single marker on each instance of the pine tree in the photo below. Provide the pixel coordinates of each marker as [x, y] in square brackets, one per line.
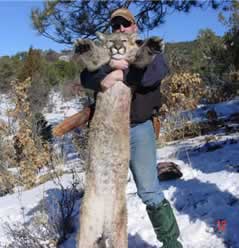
[65, 21]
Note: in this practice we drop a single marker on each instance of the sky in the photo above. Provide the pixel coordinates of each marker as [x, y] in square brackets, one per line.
[17, 33]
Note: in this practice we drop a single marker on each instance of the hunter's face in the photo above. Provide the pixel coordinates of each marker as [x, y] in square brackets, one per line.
[121, 25]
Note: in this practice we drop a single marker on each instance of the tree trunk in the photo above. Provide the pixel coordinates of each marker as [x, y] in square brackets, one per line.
[103, 218]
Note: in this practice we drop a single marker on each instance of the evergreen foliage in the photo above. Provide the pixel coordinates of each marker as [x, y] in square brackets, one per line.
[45, 70]
[232, 36]
[214, 58]
[64, 21]
[8, 69]
[210, 56]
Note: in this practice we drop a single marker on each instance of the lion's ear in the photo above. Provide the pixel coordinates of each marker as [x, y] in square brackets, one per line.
[139, 42]
[101, 36]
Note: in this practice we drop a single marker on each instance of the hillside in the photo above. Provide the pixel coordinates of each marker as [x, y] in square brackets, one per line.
[205, 200]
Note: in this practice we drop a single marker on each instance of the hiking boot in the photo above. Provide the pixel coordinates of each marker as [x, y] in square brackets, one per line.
[164, 224]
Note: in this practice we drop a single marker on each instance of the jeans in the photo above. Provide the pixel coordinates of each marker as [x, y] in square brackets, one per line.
[143, 163]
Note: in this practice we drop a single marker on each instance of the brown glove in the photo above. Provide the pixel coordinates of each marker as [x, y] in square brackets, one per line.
[77, 120]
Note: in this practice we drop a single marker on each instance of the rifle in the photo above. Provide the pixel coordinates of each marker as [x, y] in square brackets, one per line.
[81, 118]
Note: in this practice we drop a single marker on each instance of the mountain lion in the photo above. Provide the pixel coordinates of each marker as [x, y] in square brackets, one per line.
[103, 218]
[94, 54]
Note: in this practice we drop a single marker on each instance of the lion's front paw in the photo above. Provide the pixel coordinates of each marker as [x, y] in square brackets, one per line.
[82, 46]
[156, 44]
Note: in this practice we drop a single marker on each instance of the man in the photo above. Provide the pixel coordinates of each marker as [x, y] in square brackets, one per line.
[146, 98]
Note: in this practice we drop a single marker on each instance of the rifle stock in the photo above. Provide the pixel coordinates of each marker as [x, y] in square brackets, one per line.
[77, 120]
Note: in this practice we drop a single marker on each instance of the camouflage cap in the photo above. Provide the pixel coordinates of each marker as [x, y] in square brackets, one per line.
[123, 12]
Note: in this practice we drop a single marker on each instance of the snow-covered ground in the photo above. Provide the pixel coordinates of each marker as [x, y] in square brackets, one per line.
[6, 104]
[57, 108]
[205, 200]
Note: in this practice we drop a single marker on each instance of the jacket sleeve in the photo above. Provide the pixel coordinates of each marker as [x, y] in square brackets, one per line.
[150, 76]
[155, 72]
[92, 80]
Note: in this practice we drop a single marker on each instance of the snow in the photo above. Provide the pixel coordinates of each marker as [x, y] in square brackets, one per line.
[206, 195]
[223, 110]
[60, 108]
[6, 104]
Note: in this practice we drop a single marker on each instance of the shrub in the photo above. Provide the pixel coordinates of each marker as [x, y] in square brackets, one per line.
[181, 91]
[30, 154]
[53, 222]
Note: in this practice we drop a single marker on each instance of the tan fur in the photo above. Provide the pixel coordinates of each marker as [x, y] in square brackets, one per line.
[103, 217]
[118, 46]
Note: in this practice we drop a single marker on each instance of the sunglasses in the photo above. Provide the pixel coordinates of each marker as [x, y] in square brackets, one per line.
[123, 22]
